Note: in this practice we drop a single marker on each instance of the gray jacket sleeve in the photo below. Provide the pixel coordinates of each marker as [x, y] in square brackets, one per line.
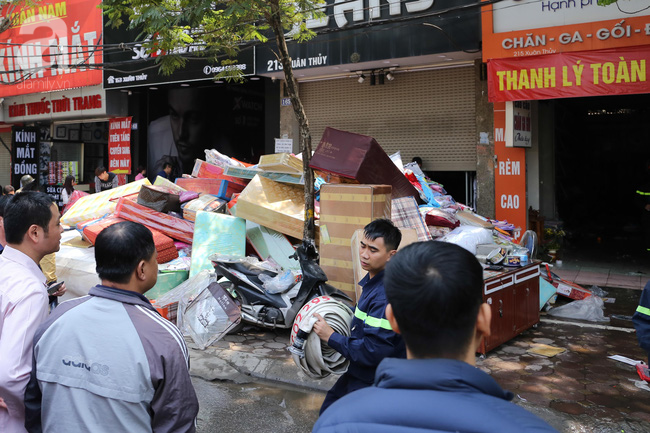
[174, 405]
[98, 185]
[115, 181]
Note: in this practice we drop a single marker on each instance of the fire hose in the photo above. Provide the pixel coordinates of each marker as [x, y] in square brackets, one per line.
[316, 359]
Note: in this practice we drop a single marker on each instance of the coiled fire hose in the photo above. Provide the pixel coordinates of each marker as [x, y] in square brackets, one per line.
[316, 359]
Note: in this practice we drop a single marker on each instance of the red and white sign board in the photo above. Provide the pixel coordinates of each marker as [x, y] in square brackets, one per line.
[119, 145]
[509, 176]
[49, 46]
[72, 103]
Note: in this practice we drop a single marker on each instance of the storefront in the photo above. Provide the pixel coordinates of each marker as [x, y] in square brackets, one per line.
[182, 114]
[404, 73]
[72, 128]
[581, 69]
[51, 86]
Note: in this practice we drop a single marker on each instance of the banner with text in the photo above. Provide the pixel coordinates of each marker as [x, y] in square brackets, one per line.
[45, 43]
[509, 176]
[119, 145]
[570, 75]
[24, 154]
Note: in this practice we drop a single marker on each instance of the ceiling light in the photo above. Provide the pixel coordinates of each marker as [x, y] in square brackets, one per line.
[153, 88]
[390, 76]
[254, 78]
[361, 79]
[185, 85]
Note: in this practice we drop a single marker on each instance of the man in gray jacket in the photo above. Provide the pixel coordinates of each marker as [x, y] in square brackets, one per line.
[108, 361]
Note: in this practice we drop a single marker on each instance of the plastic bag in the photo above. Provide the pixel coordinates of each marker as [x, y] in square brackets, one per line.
[468, 237]
[209, 316]
[188, 289]
[598, 291]
[590, 308]
[214, 157]
[280, 283]
[397, 160]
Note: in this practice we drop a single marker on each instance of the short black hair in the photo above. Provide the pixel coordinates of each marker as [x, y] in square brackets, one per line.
[383, 228]
[7, 189]
[24, 210]
[119, 248]
[435, 290]
[99, 170]
[417, 160]
[166, 164]
[4, 199]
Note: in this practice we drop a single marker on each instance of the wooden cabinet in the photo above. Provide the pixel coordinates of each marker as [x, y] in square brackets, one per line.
[513, 297]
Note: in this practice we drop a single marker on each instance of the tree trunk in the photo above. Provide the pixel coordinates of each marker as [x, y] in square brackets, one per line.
[298, 109]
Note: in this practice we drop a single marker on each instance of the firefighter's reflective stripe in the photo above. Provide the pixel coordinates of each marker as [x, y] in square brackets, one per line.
[643, 310]
[372, 321]
[642, 193]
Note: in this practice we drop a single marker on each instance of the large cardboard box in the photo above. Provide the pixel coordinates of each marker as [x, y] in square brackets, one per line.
[409, 236]
[361, 158]
[343, 210]
[275, 205]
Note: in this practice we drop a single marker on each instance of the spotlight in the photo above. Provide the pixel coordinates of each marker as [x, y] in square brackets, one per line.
[361, 79]
[372, 78]
[390, 76]
[381, 78]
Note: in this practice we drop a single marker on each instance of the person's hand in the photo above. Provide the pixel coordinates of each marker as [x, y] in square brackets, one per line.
[61, 291]
[322, 329]
[3, 405]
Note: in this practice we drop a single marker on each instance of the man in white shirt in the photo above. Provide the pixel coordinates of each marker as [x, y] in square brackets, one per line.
[32, 230]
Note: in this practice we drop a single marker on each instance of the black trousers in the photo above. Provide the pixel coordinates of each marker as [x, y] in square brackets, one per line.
[345, 385]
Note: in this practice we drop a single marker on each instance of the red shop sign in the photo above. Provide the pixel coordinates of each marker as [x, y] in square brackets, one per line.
[620, 71]
[41, 51]
[119, 145]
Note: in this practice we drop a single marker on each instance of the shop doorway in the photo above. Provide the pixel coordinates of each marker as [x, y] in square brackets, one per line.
[602, 148]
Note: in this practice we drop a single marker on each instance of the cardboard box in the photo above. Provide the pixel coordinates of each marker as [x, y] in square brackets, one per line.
[280, 163]
[409, 236]
[360, 157]
[275, 205]
[343, 210]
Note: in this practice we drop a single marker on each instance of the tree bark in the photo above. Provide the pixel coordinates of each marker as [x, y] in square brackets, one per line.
[303, 123]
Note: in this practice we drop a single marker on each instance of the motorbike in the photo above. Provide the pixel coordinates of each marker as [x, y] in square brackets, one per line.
[274, 310]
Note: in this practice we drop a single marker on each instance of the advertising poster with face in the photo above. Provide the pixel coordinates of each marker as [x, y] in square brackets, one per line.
[188, 120]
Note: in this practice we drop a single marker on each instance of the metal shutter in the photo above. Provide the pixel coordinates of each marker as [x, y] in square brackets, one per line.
[430, 114]
[5, 160]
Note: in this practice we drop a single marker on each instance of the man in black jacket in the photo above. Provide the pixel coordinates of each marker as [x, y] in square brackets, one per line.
[434, 292]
